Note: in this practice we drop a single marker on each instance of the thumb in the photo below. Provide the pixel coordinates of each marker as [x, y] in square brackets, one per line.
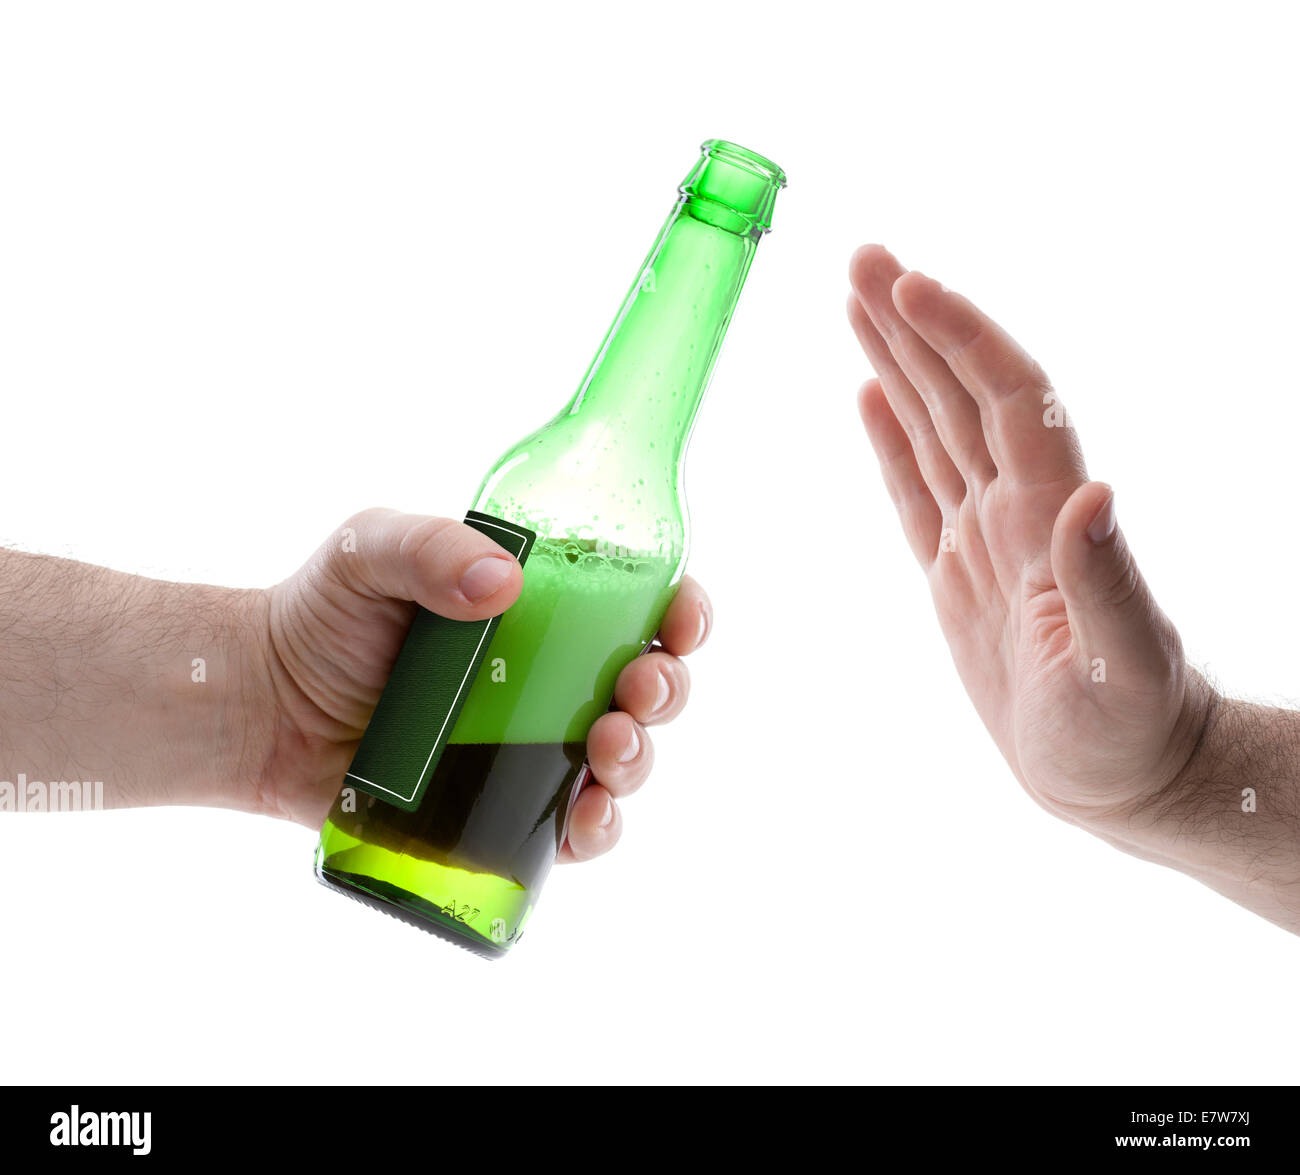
[445, 566]
[1111, 611]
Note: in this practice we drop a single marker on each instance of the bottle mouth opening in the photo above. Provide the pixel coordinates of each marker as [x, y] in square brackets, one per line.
[751, 161]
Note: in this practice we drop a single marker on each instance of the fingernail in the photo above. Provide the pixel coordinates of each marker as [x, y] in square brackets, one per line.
[706, 623]
[1102, 525]
[484, 578]
[632, 749]
[608, 818]
[661, 696]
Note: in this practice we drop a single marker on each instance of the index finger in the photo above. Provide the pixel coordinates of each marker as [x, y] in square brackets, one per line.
[1028, 433]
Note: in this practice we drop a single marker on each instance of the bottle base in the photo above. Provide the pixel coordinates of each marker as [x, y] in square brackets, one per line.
[406, 907]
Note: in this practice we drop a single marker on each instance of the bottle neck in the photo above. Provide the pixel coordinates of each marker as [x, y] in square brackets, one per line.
[645, 385]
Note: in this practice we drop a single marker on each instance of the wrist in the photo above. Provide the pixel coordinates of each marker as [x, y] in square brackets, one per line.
[1230, 815]
[201, 706]
[238, 728]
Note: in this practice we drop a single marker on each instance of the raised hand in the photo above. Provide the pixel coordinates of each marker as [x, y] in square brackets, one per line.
[1076, 672]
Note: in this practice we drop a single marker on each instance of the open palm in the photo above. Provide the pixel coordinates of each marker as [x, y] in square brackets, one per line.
[1077, 674]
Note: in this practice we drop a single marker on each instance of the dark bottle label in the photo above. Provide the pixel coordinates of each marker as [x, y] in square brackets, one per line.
[427, 689]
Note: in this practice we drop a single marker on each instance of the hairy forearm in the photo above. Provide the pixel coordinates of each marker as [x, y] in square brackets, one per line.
[1232, 817]
[138, 683]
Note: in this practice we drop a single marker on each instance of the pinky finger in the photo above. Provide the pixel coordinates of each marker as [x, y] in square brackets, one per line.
[920, 514]
[595, 825]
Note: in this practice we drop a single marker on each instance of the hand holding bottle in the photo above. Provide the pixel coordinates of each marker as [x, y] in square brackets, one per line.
[335, 627]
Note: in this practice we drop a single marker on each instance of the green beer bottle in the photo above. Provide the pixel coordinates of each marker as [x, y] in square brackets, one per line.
[456, 802]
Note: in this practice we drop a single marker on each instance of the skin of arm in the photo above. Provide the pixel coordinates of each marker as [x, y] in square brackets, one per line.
[1232, 817]
[1076, 672]
[173, 693]
[96, 683]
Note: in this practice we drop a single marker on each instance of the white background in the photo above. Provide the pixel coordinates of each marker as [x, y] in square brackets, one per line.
[262, 265]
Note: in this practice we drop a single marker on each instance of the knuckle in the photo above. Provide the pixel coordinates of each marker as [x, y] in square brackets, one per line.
[1121, 587]
[428, 539]
[969, 339]
[368, 518]
[1028, 378]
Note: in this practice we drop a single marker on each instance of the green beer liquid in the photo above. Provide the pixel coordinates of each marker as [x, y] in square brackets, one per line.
[581, 617]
